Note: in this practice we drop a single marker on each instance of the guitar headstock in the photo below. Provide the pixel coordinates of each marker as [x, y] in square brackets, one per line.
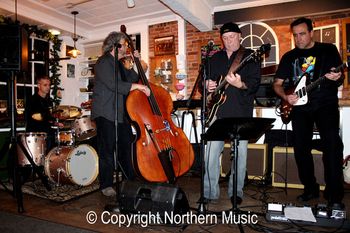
[264, 48]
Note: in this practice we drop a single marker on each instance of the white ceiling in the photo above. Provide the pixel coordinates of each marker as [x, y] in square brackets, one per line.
[95, 15]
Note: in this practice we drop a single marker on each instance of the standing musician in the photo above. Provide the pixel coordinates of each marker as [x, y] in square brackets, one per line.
[104, 108]
[38, 115]
[312, 60]
[239, 103]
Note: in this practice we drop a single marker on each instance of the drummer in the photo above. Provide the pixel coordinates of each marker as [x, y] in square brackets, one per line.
[38, 115]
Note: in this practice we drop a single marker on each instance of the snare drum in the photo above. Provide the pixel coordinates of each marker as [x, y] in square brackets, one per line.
[66, 138]
[35, 144]
[84, 128]
[72, 165]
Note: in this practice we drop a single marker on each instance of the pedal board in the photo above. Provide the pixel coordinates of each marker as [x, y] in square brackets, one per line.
[325, 216]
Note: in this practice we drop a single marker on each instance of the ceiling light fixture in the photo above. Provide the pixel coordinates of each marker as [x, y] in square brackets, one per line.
[130, 3]
[54, 32]
[74, 52]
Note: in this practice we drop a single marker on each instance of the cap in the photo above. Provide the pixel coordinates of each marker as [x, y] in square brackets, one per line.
[229, 27]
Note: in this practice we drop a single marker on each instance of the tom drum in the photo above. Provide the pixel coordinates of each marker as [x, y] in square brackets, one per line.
[84, 128]
[35, 144]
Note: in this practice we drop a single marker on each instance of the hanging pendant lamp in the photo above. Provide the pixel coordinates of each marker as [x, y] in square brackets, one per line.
[74, 52]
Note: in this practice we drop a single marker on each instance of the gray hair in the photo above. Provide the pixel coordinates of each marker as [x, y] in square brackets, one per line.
[110, 41]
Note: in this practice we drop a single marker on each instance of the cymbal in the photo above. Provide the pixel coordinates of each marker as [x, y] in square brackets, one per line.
[65, 112]
[57, 113]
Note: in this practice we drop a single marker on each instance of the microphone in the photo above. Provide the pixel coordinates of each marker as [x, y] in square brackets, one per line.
[210, 43]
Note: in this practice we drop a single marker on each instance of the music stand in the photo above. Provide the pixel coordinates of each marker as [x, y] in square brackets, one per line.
[235, 129]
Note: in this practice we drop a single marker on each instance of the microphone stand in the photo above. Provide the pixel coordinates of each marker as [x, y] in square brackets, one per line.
[115, 207]
[17, 186]
[205, 67]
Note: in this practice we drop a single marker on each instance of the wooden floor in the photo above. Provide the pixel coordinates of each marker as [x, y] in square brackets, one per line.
[257, 195]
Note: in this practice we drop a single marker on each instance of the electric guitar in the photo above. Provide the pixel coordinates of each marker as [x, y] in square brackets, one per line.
[216, 98]
[301, 91]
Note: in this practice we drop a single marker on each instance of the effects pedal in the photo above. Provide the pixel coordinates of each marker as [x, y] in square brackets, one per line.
[321, 211]
[326, 216]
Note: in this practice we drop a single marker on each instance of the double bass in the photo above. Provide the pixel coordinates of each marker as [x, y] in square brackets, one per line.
[163, 151]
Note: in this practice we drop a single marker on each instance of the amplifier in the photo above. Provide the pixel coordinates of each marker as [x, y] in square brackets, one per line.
[283, 156]
[256, 161]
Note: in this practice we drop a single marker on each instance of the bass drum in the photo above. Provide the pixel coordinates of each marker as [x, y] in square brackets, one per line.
[72, 165]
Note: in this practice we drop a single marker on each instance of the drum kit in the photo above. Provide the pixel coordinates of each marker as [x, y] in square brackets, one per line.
[71, 161]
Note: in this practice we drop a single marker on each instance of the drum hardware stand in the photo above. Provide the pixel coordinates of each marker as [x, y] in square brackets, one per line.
[57, 138]
[59, 171]
[236, 129]
[43, 178]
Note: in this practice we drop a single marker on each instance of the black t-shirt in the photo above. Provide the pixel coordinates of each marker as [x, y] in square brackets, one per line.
[315, 61]
[239, 102]
[38, 104]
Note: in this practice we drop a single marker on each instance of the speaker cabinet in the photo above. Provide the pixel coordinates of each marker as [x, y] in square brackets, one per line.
[280, 172]
[13, 48]
[256, 161]
[144, 198]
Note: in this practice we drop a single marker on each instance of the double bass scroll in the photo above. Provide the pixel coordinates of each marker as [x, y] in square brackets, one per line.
[163, 151]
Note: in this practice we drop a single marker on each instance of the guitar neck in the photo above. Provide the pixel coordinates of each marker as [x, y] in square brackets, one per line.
[313, 85]
[256, 55]
[223, 83]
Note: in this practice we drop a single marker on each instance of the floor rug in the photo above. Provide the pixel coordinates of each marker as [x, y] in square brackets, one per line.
[58, 193]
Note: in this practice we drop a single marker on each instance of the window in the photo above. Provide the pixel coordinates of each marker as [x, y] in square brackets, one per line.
[25, 81]
[325, 34]
[255, 34]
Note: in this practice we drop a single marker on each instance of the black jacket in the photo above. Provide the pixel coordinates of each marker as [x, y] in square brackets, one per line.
[104, 96]
[239, 103]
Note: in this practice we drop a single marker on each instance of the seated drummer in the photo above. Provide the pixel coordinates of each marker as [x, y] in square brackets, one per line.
[38, 115]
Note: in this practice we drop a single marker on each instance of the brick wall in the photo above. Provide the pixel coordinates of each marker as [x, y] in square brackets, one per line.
[195, 39]
[162, 30]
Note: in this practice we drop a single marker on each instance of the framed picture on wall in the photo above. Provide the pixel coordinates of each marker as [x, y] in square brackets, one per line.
[164, 45]
[70, 71]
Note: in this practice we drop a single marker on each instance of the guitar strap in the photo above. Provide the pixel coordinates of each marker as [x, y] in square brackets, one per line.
[237, 60]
